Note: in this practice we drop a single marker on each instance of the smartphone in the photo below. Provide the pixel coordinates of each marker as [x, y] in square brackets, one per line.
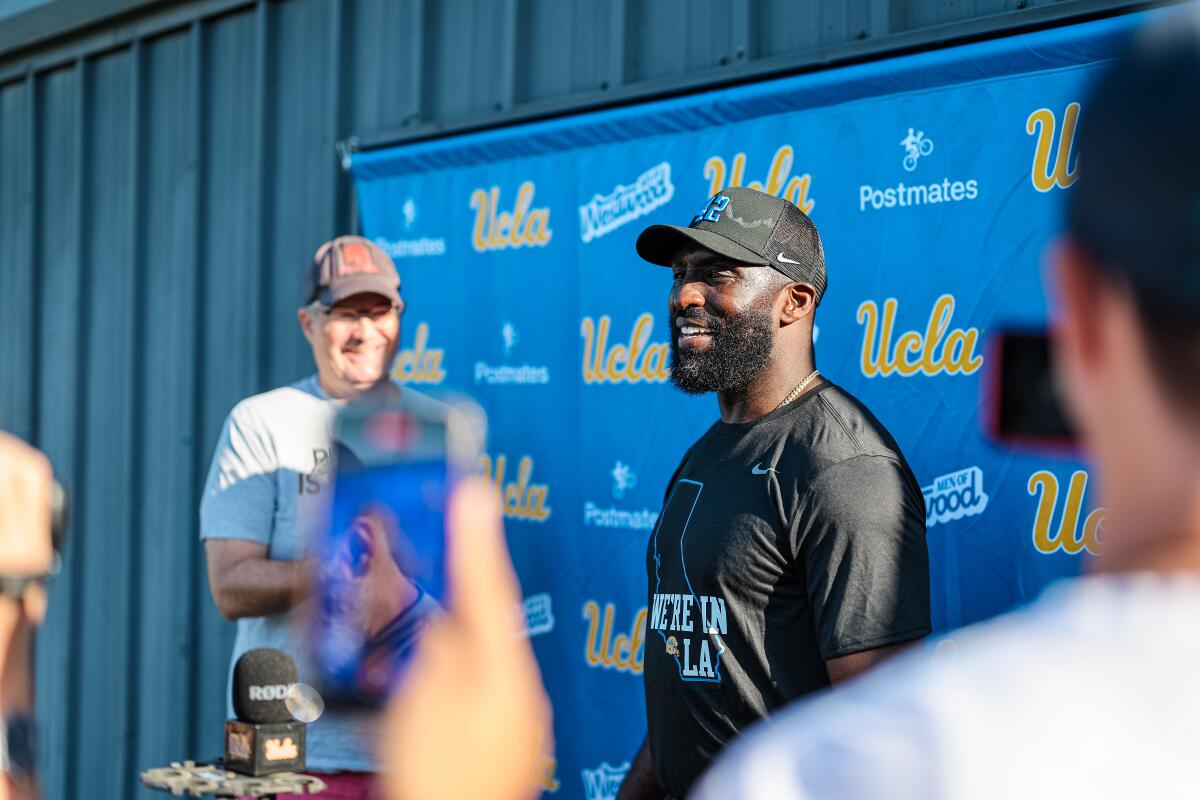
[380, 574]
[1024, 407]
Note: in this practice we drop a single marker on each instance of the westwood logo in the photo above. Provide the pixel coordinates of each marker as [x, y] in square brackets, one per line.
[536, 614]
[524, 226]
[1041, 123]
[1068, 537]
[420, 363]
[779, 181]
[603, 782]
[624, 652]
[954, 496]
[941, 349]
[633, 361]
[603, 214]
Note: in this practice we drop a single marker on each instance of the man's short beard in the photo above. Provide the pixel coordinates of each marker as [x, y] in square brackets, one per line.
[739, 349]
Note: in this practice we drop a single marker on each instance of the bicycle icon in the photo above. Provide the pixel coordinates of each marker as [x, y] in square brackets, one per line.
[916, 146]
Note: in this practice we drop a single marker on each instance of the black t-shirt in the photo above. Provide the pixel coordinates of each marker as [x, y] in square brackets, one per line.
[783, 542]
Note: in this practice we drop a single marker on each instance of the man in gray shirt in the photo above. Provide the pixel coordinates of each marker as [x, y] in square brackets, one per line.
[273, 465]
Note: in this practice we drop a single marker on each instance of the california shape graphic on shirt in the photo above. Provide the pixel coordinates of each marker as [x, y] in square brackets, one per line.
[692, 627]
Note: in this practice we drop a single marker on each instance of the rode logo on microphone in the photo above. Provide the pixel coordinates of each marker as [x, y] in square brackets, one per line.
[275, 692]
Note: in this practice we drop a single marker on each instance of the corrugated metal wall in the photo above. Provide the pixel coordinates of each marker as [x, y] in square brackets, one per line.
[163, 178]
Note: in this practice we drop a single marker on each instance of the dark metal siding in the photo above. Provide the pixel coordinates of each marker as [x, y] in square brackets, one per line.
[164, 176]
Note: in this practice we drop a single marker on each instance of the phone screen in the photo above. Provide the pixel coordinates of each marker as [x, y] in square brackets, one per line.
[380, 574]
[1026, 408]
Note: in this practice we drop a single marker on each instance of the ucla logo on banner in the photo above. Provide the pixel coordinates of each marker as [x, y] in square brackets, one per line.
[603, 782]
[1043, 124]
[546, 775]
[536, 615]
[623, 652]
[510, 374]
[941, 349]
[1068, 537]
[524, 226]
[954, 496]
[420, 363]
[779, 182]
[522, 498]
[635, 360]
[603, 214]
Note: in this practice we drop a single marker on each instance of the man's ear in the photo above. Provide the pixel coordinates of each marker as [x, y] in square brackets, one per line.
[306, 323]
[1080, 295]
[799, 301]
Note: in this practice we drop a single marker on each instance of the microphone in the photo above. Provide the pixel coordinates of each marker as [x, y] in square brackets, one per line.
[266, 737]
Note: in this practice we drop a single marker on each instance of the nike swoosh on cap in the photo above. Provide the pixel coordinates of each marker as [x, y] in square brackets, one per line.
[787, 260]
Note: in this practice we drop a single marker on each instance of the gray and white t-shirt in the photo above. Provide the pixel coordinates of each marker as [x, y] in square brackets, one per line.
[269, 476]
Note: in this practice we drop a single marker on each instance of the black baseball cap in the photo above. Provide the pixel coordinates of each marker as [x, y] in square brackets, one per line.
[350, 265]
[1136, 203]
[749, 226]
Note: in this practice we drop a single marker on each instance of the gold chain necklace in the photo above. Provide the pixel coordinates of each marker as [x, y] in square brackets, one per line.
[799, 388]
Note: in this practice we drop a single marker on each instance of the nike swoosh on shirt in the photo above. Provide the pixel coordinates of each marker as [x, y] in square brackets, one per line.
[758, 469]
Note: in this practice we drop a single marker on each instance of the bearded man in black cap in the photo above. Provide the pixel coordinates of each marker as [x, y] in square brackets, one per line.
[790, 552]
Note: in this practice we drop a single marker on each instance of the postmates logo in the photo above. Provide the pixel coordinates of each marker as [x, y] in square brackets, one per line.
[524, 226]
[411, 247]
[779, 181]
[633, 360]
[510, 374]
[1068, 536]
[911, 193]
[954, 496]
[622, 651]
[603, 782]
[619, 517]
[603, 214]
[420, 363]
[940, 349]
[1043, 124]
[521, 497]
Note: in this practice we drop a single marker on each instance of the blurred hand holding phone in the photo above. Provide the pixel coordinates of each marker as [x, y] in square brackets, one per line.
[1022, 406]
[415, 593]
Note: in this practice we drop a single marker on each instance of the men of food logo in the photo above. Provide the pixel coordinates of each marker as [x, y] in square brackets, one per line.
[954, 496]
[536, 615]
[524, 226]
[603, 782]
[1067, 537]
[522, 498]
[1041, 123]
[633, 361]
[624, 652]
[779, 181]
[420, 363]
[603, 214]
[940, 349]
[510, 374]
[915, 145]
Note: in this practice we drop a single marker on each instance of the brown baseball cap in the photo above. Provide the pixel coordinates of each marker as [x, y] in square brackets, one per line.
[351, 265]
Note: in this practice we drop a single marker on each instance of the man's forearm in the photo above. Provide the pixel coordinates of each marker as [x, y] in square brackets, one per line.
[259, 587]
[640, 783]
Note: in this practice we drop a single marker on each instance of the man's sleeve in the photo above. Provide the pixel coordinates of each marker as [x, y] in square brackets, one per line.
[862, 544]
[239, 495]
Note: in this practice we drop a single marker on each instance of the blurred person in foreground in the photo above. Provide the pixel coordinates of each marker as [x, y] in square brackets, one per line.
[26, 557]
[1092, 690]
[272, 470]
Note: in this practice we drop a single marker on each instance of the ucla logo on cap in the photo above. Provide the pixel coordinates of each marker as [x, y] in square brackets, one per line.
[712, 209]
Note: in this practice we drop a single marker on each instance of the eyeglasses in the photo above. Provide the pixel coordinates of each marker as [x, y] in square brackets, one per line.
[348, 315]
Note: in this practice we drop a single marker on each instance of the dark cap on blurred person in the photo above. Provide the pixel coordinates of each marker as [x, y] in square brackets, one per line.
[1136, 205]
[350, 265]
[748, 226]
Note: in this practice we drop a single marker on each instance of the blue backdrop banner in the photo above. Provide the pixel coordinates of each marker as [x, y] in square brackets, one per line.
[936, 182]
